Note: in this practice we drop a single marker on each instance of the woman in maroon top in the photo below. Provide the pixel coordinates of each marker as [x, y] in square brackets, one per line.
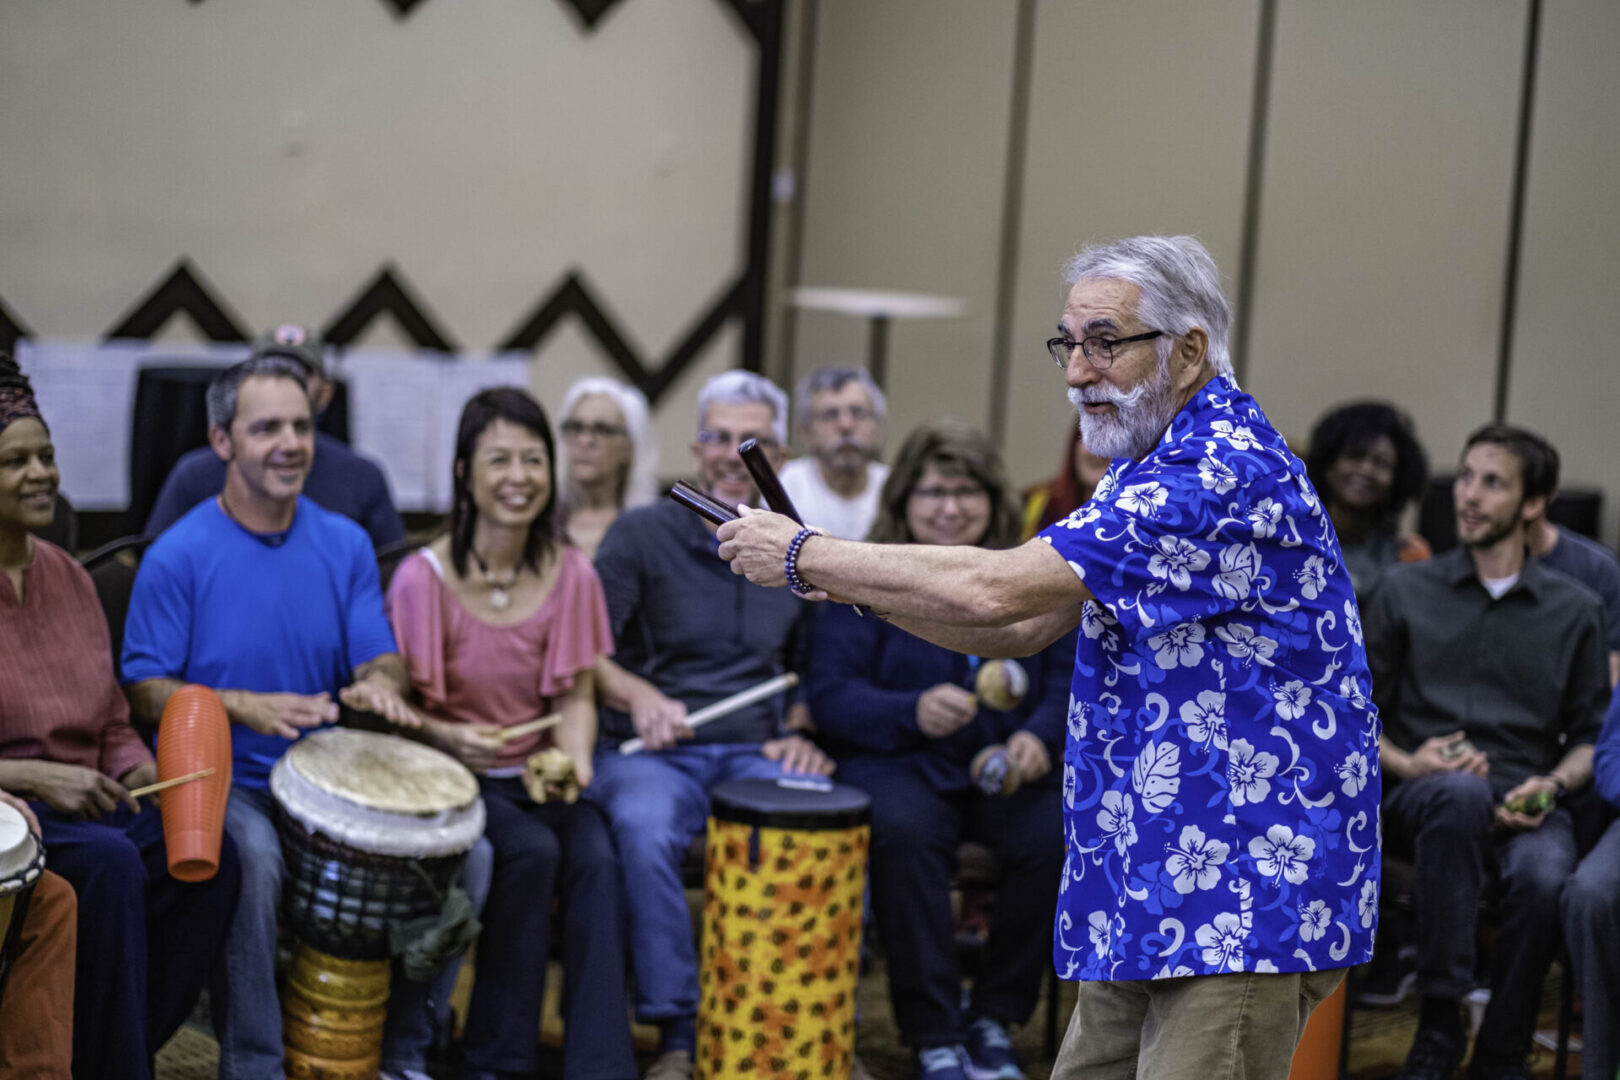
[500, 624]
[146, 941]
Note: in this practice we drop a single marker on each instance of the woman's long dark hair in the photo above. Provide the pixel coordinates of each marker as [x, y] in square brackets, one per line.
[958, 449]
[1353, 427]
[515, 406]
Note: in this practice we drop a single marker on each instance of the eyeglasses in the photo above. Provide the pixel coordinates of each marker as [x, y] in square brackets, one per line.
[725, 440]
[963, 494]
[1099, 351]
[574, 429]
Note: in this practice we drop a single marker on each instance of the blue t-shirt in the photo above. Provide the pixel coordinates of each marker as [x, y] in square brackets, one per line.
[1220, 779]
[218, 605]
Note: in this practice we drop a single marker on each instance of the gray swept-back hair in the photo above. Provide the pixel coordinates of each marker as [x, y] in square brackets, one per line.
[745, 388]
[227, 385]
[641, 483]
[1181, 287]
[835, 378]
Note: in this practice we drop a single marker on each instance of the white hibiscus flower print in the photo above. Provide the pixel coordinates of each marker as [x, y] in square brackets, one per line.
[1367, 903]
[1216, 476]
[1115, 819]
[1181, 971]
[1354, 771]
[1245, 645]
[1350, 690]
[1070, 779]
[1195, 862]
[1312, 577]
[1099, 928]
[1292, 697]
[1240, 564]
[1352, 620]
[1206, 719]
[1105, 487]
[1096, 622]
[1176, 561]
[1264, 517]
[1145, 499]
[1222, 942]
[1079, 711]
[1082, 517]
[1248, 771]
[1314, 920]
[1237, 436]
[1281, 856]
[1180, 646]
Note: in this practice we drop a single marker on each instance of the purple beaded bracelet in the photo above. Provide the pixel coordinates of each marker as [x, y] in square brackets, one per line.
[790, 562]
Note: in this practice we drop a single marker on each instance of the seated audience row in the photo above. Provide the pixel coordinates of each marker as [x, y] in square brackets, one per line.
[272, 596]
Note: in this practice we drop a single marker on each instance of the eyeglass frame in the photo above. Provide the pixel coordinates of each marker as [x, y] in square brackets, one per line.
[1108, 345]
[725, 440]
[573, 429]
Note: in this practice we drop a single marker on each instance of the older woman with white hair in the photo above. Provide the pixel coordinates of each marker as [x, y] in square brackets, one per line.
[607, 461]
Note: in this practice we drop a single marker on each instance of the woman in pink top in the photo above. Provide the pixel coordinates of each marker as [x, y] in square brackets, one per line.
[499, 624]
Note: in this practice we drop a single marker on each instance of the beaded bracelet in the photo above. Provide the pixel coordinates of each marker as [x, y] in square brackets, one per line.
[790, 562]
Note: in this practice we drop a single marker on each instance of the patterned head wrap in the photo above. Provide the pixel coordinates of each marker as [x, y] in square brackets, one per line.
[16, 394]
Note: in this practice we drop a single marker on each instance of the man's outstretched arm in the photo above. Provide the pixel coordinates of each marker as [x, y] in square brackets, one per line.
[1029, 594]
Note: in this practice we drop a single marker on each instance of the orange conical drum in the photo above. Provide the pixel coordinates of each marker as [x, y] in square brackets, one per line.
[195, 734]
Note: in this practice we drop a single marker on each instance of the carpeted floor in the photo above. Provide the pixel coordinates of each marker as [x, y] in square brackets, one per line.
[1379, 1039]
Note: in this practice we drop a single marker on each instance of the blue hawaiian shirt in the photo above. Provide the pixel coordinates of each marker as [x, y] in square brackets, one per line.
[1220, 773]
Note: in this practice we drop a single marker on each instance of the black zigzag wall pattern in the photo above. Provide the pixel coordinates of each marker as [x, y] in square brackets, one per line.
[186, 290]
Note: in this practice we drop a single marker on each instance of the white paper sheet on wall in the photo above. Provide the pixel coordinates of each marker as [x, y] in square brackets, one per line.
[403, 410]
[86, 391]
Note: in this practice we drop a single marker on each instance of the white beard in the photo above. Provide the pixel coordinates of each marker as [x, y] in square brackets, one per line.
[1142, 413]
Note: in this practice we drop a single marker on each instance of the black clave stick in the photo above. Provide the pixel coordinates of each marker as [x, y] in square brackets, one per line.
[700, 504]
[753, 456]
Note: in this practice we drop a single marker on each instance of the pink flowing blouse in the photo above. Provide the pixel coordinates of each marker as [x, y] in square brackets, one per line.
[471, 672]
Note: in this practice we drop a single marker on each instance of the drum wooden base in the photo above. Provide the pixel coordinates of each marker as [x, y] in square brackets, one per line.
[332, 1013]
[781, 952]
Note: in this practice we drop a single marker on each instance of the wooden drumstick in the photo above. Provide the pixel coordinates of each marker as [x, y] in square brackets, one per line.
[727, 705]
[165, 785]
[529, 727]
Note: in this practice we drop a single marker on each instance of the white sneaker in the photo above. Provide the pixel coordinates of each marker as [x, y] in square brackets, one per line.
[671, 1065]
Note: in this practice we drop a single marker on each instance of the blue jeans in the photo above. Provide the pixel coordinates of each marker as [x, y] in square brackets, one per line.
[656, 803]
[247, 1011]
[1592, 930]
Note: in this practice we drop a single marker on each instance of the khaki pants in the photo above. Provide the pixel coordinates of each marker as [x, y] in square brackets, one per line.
[1203, 1027]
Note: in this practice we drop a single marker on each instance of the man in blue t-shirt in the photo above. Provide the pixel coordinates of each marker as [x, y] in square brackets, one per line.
[275, 603]
[339, 479]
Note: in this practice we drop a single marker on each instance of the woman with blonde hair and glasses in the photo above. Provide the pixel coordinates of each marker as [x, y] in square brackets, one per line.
[607, 461]
[903, 720]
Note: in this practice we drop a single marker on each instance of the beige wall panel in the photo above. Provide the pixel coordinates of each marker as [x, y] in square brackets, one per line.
[903, 188]
[1138, 124]
[1566, 380]
[290, 148]
[1384, 223]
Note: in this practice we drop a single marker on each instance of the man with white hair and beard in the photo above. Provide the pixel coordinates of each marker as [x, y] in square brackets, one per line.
[840, 413]
[1221, 775]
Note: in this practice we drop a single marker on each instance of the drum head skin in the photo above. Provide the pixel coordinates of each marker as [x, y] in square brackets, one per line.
[379, 793]
[770, 805]
[18, 852]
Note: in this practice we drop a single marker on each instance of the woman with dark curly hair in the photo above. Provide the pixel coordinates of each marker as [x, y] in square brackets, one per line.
[1367, 466]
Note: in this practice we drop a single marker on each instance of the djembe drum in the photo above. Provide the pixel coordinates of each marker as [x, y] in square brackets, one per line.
[22, 860]
[785, 876]
[374, 829]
